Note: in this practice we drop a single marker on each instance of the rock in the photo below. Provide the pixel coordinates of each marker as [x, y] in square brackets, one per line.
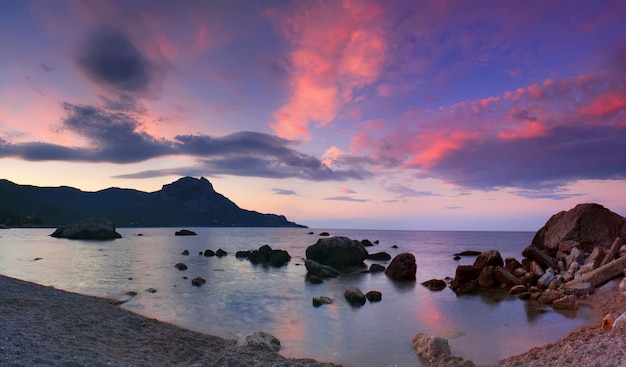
[374, 296]
[376, 268]
[489, 258]
[180, 266]
[435, 284]
[220, 253]
[536, 269]
[517, 289]
[511, 264]
[456, 257]
[567, 277]
[568, 302]
[486, 279]
[354, 296]
[578, 288]
[431, 347]
[320, 270]
[198, 281]
[318, 301]
[151, 290]
[546, 279]
[266, 256]
[589, 224]
[185, 253]
[337, 251]
[602, 274]
[574, 255]
[621, 288]
[209, 253]
[567, 246]
[90, 229]
[535, 253]
[314, 279]
[503, 276]
[367, 243]
[185, 232]
[607, 323]
[402, 267]
[468, 253]
[466, 273]
[612, 251]
[620, 323]
[548, 296]
[379, 256]
[324, 234]
[596, 256]
[242, 254]
[263, 340]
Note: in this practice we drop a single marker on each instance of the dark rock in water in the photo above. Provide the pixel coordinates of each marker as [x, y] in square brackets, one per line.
[242, 254]
[367, 243]
[379, 256]
[314, 279]
[486, 278]
[311, 233]
[220, 253]
[504, 277]
[376, 268]
[354, 296]
[324, 234]
[394, 246]
[376, 242]
[468, 253]
[318, 301]
[90, 229]
[185, 253]
[374, 296]
[402, 267]
[435, 284]
[589, 224]
[267, 256]
[209, 253]
[489, 258]
[180, 266]
[262, 340]
[511, 263]
[151, 290]
[320, 270]
[337, 251]
[465, 280]
[198, 281]
[185, 232]
[38, 258]
[131, 293]
[457, 257]
[200, 253]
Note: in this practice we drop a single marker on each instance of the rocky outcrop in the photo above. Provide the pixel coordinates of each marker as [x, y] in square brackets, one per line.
[263, 340]
[91, 229]
[337, 252]
[436, 350]
[589, 225]
[320, 270]
[185, 232]
[402, 267]
[266, 256]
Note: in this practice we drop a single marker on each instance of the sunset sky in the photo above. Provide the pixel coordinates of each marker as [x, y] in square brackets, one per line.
[469, 115]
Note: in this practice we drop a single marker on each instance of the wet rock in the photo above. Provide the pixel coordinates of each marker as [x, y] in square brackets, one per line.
[319, 301]
[324, 234]
[354, 296]
[517, 289]
[185, 253]
[402, 267]
[185, 232]
[435, 284]
[320, 270]
[536, 269]
[619, 325]
[568, 302]
[486, 278]
[578, 289]
[374, 296]
[468, 253]
[489, 258]
[198, 281]
[151, 290]
[456, 257]
[436, 350]
[534, 253]
[337, 251]
[503, 276]
[511, 264]
[263, 340]
[90, 229]
[367, 243]
[466, 273]
[549, 296]
[267, 256]
[546, 279]
[242, 254]
[379, 256]
[314, 279]
[220, 253]
[376, 268]
[209, 253]
[180, 266]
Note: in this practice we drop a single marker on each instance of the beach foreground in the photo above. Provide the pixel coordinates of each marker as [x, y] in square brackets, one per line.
[43, 326]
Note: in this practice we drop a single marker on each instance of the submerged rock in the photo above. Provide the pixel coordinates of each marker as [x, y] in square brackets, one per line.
[198, 281]
[185, 232]
[90, 229]
[354, 296]
[180, 266]
[374, 296]
[319, 301]
[337, 251]
[435, 284]
[267, 256]
[402, 267]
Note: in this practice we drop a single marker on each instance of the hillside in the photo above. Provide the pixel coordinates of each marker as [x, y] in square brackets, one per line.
[186, 202]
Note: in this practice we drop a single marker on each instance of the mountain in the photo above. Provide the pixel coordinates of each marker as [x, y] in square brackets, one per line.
[186, 202]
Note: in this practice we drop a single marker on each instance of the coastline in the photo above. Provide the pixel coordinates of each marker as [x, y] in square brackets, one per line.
[46, 326]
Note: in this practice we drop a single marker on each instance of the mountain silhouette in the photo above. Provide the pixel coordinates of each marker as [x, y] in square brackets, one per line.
[185, 202]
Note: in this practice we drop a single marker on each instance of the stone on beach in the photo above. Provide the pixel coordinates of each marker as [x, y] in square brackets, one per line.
[263, 340]
[90, 229]
[337, 251]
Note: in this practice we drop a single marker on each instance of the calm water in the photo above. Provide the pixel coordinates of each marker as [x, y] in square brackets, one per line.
[240, 298]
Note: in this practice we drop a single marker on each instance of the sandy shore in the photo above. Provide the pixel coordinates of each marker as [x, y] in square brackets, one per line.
[42, 326]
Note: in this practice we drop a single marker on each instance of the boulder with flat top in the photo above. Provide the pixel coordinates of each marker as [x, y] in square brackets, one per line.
[337, 251]
[90, 229]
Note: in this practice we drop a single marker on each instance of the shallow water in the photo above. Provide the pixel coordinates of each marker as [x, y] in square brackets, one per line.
[240, 298]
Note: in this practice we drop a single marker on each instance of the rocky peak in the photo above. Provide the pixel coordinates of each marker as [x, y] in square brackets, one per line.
[195, 194]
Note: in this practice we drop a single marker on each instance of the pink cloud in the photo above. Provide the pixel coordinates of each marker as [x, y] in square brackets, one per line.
[336, 49]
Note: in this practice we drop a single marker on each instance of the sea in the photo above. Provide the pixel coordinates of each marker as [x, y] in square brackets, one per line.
[240, 298]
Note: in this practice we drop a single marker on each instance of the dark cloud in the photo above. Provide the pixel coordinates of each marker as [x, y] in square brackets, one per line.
[284, 192]
[47, 68]
[346, 198]
[564, 154]
[110, 59]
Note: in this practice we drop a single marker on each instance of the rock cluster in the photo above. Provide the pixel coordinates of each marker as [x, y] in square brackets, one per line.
[89, 229]
[568, 258]
[436, 350]
[265, 256]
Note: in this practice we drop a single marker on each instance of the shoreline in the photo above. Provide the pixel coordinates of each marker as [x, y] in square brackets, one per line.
[46, 326]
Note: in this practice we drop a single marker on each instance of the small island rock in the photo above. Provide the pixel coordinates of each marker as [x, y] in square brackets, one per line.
[90, 229]
[402, 267]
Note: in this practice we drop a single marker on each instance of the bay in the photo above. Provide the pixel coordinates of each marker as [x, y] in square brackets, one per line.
[240, 298]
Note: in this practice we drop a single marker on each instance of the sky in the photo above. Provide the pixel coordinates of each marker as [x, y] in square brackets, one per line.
[431, 115]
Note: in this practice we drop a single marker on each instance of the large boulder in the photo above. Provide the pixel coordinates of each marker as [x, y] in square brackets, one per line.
[90, 229]
[489, 258]
[354, 296]
[267, 256]
[402, 267]
[337, 251]
[589, 224]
